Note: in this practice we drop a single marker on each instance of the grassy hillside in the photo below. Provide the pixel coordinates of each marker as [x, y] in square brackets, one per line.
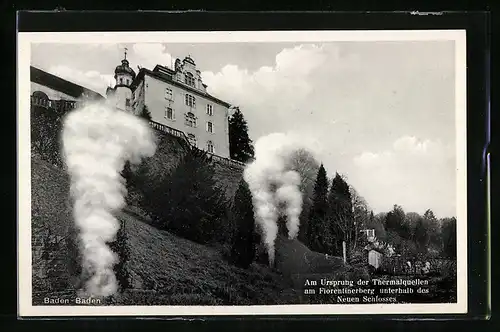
[165, 269]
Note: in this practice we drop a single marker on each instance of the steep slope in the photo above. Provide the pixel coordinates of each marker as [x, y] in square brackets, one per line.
[165, 269]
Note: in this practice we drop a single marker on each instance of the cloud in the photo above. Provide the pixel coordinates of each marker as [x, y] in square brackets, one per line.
[280, 93]
[92, 79]
[417, 174]
[144, 54]
[148, 55]
[354, 99]
[361, 104]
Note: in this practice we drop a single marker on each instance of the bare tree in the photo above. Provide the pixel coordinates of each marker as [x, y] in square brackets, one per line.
[304, 163]
[361, 213]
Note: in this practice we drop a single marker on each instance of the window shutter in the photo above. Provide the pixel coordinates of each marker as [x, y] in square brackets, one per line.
[173, 114]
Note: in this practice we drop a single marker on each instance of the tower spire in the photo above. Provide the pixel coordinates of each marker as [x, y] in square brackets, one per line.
[125, 51]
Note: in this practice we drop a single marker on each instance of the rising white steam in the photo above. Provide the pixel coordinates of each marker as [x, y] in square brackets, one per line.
[275, 187]
[97, 141]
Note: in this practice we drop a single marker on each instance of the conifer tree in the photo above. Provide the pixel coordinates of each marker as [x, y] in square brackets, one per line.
[317, 232]
[421, 234]
[244, 245]
[240, 144]
[120, 248]
[341, 216]
[433, 228]
[145, 113]
[188, 201]
[449, 235]
[394, 220]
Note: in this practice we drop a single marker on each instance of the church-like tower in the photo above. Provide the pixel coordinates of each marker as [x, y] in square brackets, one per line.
[122, 93]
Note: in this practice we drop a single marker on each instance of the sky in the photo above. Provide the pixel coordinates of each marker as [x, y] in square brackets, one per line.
[380, 113]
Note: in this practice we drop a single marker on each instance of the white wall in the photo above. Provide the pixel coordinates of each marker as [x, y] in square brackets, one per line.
[51, 93]
[154, 99]
[120, 95]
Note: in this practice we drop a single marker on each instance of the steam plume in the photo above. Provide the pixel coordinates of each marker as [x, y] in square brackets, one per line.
[275, 188]
[97, 141]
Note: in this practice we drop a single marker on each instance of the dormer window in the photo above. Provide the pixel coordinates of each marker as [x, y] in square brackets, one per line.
[189, 79]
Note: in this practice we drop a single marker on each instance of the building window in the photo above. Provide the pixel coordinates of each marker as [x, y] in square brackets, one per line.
[370, 233]
[210, 110]
[210, 147]
[189, 79]
[127, 102]
[190, 120]
[168, 94]
[121, 80]
[169, 113]
[190, 101]
[210, 127]
[192, 139]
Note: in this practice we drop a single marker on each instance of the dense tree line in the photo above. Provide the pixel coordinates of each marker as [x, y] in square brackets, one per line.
[187, 201]
[46, 126]
[339, 213]
[332, 218]
[246, 237]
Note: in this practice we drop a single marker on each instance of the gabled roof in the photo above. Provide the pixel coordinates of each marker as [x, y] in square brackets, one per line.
[59, 84]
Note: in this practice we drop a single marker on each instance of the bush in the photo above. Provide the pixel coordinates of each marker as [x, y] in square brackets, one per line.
[46, 127]
[187, 202]
[120, 248]
[145, 113]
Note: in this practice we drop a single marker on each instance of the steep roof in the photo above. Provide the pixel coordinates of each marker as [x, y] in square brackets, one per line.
[54, 82]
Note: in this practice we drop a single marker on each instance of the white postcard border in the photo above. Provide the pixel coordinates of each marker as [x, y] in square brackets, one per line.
[25, 307]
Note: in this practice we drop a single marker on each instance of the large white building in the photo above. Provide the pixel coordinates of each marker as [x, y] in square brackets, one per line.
[176, 98]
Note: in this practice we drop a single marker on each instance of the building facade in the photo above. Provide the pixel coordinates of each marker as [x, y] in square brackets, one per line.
[121, 93]
[176, 98]
[45, 86]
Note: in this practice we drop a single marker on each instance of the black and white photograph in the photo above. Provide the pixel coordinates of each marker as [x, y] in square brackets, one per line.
[242, 172]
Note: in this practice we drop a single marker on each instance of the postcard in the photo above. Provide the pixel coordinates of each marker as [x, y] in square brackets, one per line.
[242, 173]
